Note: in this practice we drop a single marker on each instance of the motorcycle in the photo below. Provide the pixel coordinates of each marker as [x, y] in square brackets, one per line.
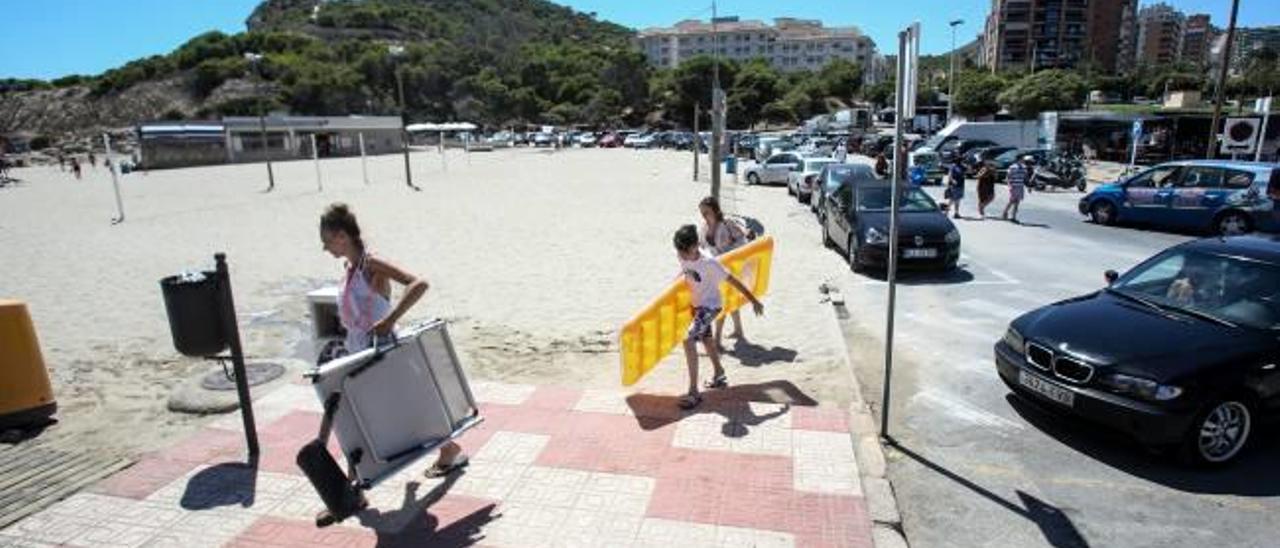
[1061, 171]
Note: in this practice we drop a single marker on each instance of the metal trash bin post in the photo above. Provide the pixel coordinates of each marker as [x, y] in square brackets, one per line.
[202, 322]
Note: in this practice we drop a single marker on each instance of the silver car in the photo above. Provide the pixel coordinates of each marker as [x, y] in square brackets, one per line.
[801, 182]
[777, 169]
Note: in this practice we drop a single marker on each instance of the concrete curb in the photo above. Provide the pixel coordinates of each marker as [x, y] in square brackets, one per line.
[882, 504]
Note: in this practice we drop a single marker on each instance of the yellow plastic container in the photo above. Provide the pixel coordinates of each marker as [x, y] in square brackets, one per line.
[26, 396]
[660, 326]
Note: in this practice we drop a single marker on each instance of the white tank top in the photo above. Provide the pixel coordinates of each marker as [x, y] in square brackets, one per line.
[360, 306]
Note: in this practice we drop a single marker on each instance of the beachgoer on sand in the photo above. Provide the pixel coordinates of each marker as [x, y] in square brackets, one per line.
[704, 274]
[364, 303]
[75, 167]
[720, 236]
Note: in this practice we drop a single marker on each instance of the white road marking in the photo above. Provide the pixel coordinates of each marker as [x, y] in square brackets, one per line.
[962, 410]
[992, 309]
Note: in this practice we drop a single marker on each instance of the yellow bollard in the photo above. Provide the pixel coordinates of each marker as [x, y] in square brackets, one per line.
[26, 397]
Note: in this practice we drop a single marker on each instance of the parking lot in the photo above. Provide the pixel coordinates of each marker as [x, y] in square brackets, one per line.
[974, 466]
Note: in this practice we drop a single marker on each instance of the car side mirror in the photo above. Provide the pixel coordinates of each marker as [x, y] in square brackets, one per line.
[1111, 276]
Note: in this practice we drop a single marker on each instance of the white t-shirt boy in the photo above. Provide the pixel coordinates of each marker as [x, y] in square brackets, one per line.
[704, 275]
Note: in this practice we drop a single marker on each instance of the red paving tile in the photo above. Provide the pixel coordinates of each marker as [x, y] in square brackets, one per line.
[602, 442]
[687, 499]
[143, 478]
[270, 531]
[209, 445]
[554, 397]
[827, 419]
[830, 520]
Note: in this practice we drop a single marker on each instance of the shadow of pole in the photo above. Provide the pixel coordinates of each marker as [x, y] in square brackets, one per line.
[1055, 525]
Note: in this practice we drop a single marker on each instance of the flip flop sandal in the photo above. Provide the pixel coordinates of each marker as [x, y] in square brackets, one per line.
[719, 381]
[438, 471]
[690, 401]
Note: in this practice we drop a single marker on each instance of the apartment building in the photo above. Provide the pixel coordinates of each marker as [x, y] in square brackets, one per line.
[1035, 34]
[1160, 30]
[1249, 40]
[1110, 34]
[1197, 38]
[789, 44]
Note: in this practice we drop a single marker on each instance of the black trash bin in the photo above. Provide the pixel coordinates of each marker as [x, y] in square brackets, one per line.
[194, 314]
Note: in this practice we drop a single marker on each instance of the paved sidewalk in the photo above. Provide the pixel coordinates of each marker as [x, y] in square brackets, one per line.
[756, 465]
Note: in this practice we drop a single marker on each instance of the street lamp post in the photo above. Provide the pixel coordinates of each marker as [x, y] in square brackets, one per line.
[951, 79]
[397, 52]
[256, 60]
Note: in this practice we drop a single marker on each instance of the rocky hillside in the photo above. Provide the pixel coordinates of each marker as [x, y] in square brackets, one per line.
[491, 61]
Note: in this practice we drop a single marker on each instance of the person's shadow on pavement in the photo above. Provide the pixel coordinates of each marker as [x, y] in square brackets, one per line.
[654, 411]
[414, 525]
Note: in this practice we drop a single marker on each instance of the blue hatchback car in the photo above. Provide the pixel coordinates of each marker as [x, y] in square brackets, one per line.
[1220, 197]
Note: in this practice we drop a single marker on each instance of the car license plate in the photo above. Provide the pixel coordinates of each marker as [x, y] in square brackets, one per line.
[920, 253]
[1046, 389]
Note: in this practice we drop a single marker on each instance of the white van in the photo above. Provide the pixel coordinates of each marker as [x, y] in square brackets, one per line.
[1020, 134]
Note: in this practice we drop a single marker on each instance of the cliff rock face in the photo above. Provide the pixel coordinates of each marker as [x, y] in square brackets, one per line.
[73, 110]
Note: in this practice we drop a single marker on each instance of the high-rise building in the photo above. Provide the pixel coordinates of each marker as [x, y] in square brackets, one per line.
[1159, 34]
[1108, 33]
[1127, 42]
[1197, 37]
[1249, 40]
[1034, 34]
[788, 45]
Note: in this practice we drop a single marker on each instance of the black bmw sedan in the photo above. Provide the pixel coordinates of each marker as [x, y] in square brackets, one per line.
[1179, 352]
[856, 221]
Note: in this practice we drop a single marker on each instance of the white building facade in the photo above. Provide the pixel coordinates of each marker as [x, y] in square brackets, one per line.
[789, 44]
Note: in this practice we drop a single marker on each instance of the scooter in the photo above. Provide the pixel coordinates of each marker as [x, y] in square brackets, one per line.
[1060, 172]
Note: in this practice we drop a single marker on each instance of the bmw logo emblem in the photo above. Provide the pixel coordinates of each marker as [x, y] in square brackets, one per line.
[919, 240]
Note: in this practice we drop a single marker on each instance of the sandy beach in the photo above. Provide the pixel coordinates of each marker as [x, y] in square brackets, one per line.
[535, 257]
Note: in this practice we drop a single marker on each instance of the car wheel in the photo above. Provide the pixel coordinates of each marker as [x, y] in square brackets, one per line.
[1219, 433]
[826, 237]
[790, 191]
[855, 262]
[1103, 213]
[753, 179]
[1232, 223]
[1081, 186]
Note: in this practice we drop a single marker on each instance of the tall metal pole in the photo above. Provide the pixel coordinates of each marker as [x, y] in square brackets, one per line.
[397, 52]
[115, 181]
[697, 139]
[256, 59]
[903, 108]
[1222, 79]
[717, 107]
[315, 158]
[951, 79]
[364, 161]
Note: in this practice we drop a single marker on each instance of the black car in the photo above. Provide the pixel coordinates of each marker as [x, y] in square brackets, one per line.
[830, 179]
[1179, 352]
[856, 221]
[955, 149]
[875, 144]
[974, 159]
[1002, 162]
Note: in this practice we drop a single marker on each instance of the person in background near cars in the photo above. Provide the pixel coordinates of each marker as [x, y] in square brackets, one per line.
[842, 151]
[75, 167]
[955, 187]
[986, 188]
[720, 236]
[882, 166]
[1017, 179]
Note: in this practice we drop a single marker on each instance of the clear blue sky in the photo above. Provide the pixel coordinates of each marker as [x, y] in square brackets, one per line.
[52, 38]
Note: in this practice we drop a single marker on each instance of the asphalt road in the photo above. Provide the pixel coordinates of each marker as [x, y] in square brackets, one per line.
[973, 466]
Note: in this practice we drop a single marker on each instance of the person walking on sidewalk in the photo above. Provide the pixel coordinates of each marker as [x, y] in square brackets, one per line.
[364, 302]
[955, 187]
[720, 236]
[986, 188]
[1017, 180]
[704, 274]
